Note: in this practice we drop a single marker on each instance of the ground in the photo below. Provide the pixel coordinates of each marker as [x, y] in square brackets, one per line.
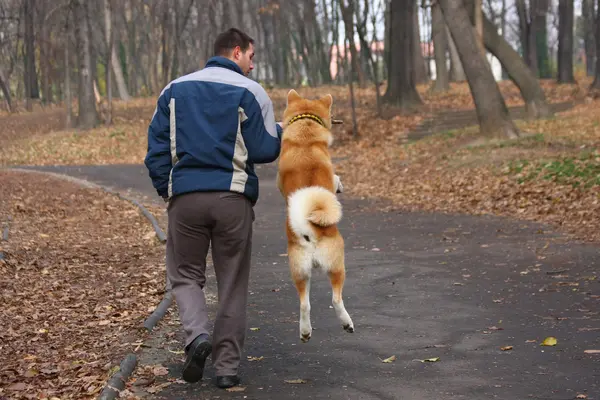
[468, 250]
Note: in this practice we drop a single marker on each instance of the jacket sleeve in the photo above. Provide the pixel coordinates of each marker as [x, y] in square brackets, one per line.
[262, 135]
[158, 157]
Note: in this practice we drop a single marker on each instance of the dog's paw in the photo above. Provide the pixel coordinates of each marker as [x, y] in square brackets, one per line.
[349, 328]
[305, 337]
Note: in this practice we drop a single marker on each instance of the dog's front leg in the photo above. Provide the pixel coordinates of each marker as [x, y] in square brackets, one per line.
[279, 184]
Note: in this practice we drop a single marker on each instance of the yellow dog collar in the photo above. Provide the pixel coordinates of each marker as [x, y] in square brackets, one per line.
[303, 116]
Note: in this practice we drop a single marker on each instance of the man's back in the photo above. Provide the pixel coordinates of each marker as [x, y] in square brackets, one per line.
[209, 129]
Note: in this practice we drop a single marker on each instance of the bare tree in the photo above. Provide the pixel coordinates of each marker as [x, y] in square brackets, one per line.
[596, 84]
[521, 75]
[534, 36]
[494, 119]
[347, 9]
[440, 44]
[401, 90]
[30, 74]
[589, 38]
[565, 41]
[457, 72]
[419, 60]
[109, 53]
[88, 115]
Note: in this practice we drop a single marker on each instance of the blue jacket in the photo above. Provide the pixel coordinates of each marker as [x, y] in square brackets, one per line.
[208, 130]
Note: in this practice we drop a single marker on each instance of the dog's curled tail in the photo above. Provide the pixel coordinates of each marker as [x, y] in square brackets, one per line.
[313, 205]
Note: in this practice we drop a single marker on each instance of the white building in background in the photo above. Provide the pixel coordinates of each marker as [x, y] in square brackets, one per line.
[426, 49]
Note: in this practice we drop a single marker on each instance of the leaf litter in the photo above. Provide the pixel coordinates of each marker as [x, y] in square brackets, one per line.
[73, 299]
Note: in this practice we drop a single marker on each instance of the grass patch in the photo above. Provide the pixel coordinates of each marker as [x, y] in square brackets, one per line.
[582, 171]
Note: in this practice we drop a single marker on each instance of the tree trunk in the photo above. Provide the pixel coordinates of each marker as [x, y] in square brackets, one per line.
[440, 44]
[540, 36]
[30, 75]
[88, 115]
[420, 69]
[119, 78]
[524, 31]
[68, 97]
[347, 15]
[518, 71]
[401, 90]
[5, 91]
[457, 72]
[375, 64]
[565, 41]
[494, 119]
[596, 84]
[45, 56]
[109, 51]
[352, 102]
[589, 23]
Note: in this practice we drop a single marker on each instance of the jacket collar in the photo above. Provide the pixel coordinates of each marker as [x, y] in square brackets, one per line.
[223, 62]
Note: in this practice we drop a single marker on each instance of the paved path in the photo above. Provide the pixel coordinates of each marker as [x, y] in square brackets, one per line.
[418, 286]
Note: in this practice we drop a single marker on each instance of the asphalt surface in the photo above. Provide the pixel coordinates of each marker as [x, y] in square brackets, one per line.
[418, 286]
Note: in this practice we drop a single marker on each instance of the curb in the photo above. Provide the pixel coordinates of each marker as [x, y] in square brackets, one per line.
[117, 382]
[5, 230]
[4, 237]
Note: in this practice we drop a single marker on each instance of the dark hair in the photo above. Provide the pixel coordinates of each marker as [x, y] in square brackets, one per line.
[228, 40]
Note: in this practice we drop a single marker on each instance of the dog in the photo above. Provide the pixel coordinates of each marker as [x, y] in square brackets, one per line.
[306, 179]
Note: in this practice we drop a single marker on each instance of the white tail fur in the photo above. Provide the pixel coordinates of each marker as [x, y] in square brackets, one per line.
[313, 205]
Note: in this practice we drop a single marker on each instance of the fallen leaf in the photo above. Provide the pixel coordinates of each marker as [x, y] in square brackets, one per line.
[158, 388]
[505, 348]
[178, 352]
[592, 351]
[250, 358]
[581, 396]
[18, 386]
[389, 359]
[434, 359]
[31, 373]
[144, 381]
[236, 389]
[159, 370]
[495, 328]
[549, 341]
[530, 341]
[255, 329]
[295, 381]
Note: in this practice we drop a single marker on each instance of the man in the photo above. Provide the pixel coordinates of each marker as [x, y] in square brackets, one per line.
[209, 129]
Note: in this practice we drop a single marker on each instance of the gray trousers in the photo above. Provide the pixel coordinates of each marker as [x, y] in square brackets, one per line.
[224, 220]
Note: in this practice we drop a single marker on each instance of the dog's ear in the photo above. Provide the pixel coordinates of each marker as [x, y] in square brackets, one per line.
[293, 96]
[327, 100]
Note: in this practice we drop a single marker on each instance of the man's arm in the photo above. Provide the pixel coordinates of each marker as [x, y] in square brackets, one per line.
[262, 135]
[158, 157]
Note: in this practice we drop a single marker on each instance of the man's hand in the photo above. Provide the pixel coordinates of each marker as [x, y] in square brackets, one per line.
[337, 184]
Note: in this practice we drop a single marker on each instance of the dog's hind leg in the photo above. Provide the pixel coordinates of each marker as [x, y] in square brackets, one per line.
[337, 276]
[301, 273]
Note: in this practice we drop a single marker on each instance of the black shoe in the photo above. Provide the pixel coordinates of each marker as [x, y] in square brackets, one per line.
[197, 352]
[225, 382]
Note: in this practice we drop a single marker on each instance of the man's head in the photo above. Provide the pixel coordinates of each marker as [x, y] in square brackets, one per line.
[238, 47]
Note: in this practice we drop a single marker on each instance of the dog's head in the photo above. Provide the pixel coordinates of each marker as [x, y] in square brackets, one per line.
[298, 106]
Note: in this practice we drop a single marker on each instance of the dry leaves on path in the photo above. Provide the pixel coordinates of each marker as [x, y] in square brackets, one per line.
[78, 280]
